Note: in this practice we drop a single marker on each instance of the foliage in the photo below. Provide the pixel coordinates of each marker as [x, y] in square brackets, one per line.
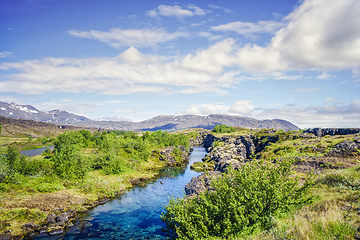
[223, 129]
[216, 143]
[10, 163]
[68, 163]
[0, 128]
[241, 202]
[192, 135]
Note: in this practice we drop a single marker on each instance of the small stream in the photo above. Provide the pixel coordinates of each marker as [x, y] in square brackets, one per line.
[136, 214]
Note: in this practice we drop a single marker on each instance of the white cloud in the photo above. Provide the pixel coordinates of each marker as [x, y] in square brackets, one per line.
[321, 34]
[211, 60]
[327, 116]
[118, 38]
[193, 110]
[129, 73]
[210, 109]
[206, 109]
[257, 59]
[249, 27]
[5, 54]
[242, 107]
[226, 10]
[324, 75]
[176, 11]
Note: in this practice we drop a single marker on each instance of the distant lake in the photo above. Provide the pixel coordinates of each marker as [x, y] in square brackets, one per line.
[35, 152]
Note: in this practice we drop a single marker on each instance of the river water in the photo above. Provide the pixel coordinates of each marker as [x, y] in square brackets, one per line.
[136, 214]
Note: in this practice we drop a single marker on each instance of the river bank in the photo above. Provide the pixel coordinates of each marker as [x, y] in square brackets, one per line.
[58, 211]
[42, 196]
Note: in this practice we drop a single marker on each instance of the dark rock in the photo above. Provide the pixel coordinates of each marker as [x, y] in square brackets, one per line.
[209, 139]
[357, 236]
[64, 217]
[144, 179]
[344, 149]
[55, 231]
[320, 132]
[200, 183]
[29, 233]
[58, 224]
[240, 148]
[17, 237]
[71, 214]
[43, 230]
[135, 182]
[166, 154]
[6, 237]
[51, 219]
[30, 225]
[224, 164]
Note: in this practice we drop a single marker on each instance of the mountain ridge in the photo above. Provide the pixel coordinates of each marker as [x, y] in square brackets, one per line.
[162, 122]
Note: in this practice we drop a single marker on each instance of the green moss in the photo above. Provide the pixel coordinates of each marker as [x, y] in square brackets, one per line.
[203, 166]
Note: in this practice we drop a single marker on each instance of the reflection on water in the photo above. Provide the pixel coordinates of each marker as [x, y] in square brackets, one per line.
[135, 215]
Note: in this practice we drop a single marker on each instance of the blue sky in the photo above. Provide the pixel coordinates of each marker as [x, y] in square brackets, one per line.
[115, 60]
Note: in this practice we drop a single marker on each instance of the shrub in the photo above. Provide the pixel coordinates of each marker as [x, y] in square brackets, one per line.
[240, 202]
[115, 165]
[223, 129]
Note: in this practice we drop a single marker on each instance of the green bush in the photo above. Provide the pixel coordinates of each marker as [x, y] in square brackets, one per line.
[240, 202]
[223, 129]
[115, 165]
[68, 163]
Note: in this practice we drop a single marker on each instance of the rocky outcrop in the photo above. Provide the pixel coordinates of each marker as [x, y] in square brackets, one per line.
[346, 149]
[200, 183]
[320, 132]
[199, 140]
[232, 149]
[53, 225]
[236, 151]
[168, 154]
[208, 141]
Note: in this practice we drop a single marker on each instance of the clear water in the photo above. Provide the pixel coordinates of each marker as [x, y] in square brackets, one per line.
[35, 152]
[135, 215]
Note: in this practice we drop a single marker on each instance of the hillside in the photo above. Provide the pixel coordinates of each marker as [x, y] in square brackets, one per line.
[29, 128]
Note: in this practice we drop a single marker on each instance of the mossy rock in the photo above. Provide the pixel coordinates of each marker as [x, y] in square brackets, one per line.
[202, 166]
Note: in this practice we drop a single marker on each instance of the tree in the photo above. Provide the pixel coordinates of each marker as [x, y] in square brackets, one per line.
[68, 163]
[0, 128]
[240, 202]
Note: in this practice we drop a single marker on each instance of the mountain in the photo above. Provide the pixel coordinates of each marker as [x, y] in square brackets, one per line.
[166, 122]
[16, 111]
[171, 123]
